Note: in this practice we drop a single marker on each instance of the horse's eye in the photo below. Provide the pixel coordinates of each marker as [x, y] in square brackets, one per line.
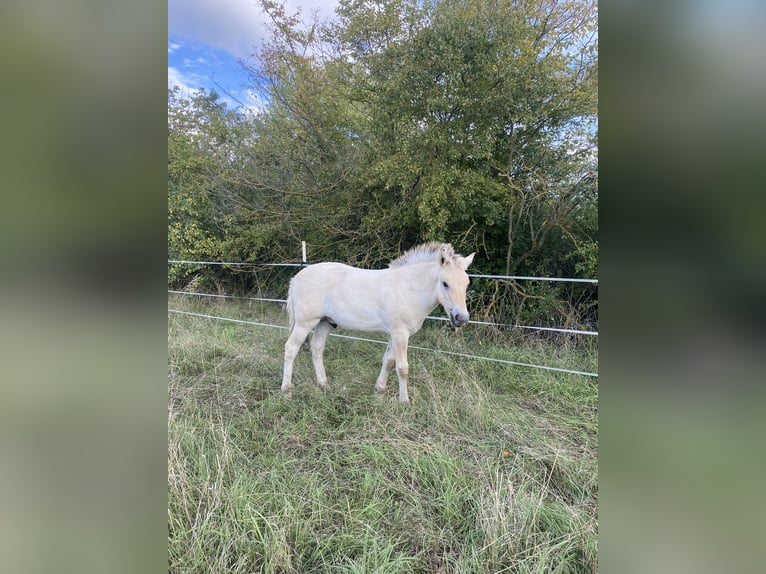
[444, 284]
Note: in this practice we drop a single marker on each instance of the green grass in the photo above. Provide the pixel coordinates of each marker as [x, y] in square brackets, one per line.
[492, 468]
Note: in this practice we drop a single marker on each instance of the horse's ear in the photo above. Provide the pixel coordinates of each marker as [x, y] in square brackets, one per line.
[466, 261]
[444, 255]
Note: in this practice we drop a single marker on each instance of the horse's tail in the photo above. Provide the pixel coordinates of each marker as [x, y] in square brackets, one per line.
[291, 304]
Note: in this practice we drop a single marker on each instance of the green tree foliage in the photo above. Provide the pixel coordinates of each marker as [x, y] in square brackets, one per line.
[204, 139]
[469, 121]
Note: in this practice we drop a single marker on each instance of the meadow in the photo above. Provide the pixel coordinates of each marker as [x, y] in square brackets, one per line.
[492, 468]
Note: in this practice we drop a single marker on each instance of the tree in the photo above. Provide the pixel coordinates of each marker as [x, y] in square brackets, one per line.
[473, 109]
[203, 142]
[469, 121]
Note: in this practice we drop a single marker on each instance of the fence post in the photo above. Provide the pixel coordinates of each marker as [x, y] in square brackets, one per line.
[303, 253]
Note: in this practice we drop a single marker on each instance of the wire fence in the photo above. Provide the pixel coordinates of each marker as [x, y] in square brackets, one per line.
[472, 275]
[233, 264]
[432, 318]
[227, 296]
[376, 341]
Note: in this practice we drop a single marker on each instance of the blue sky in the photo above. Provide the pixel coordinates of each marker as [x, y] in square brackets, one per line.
[207, 39]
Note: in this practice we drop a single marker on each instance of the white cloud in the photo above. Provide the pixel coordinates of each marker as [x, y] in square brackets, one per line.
[230, 25]
[235, 26]
[188, 83]
[194, 62]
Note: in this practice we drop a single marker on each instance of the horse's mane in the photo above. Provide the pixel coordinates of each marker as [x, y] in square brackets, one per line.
[423, 253]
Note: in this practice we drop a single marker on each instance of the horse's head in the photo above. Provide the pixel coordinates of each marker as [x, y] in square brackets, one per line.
[452, 284]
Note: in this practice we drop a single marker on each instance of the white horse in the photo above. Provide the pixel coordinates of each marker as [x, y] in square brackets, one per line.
[394, 300]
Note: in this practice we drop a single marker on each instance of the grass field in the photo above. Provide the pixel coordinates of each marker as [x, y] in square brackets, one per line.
[492, 468]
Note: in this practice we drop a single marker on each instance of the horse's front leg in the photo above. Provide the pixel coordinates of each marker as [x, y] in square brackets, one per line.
[399, 341]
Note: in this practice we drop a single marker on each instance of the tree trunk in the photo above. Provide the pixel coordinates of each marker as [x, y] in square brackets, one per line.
[510, 236]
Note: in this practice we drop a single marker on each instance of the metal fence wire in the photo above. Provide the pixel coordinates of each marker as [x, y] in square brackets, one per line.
[375, 341]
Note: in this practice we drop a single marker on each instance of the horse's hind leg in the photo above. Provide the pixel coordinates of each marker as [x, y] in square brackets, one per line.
[318, 340]
[388, 362]
[292, 346]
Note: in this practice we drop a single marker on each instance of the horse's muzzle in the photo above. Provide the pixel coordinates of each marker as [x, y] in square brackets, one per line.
[458, 319]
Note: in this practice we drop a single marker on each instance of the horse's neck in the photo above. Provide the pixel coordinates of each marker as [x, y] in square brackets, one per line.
[419, 279]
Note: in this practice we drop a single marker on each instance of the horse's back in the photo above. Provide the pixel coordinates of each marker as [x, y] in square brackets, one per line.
[328, 277]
